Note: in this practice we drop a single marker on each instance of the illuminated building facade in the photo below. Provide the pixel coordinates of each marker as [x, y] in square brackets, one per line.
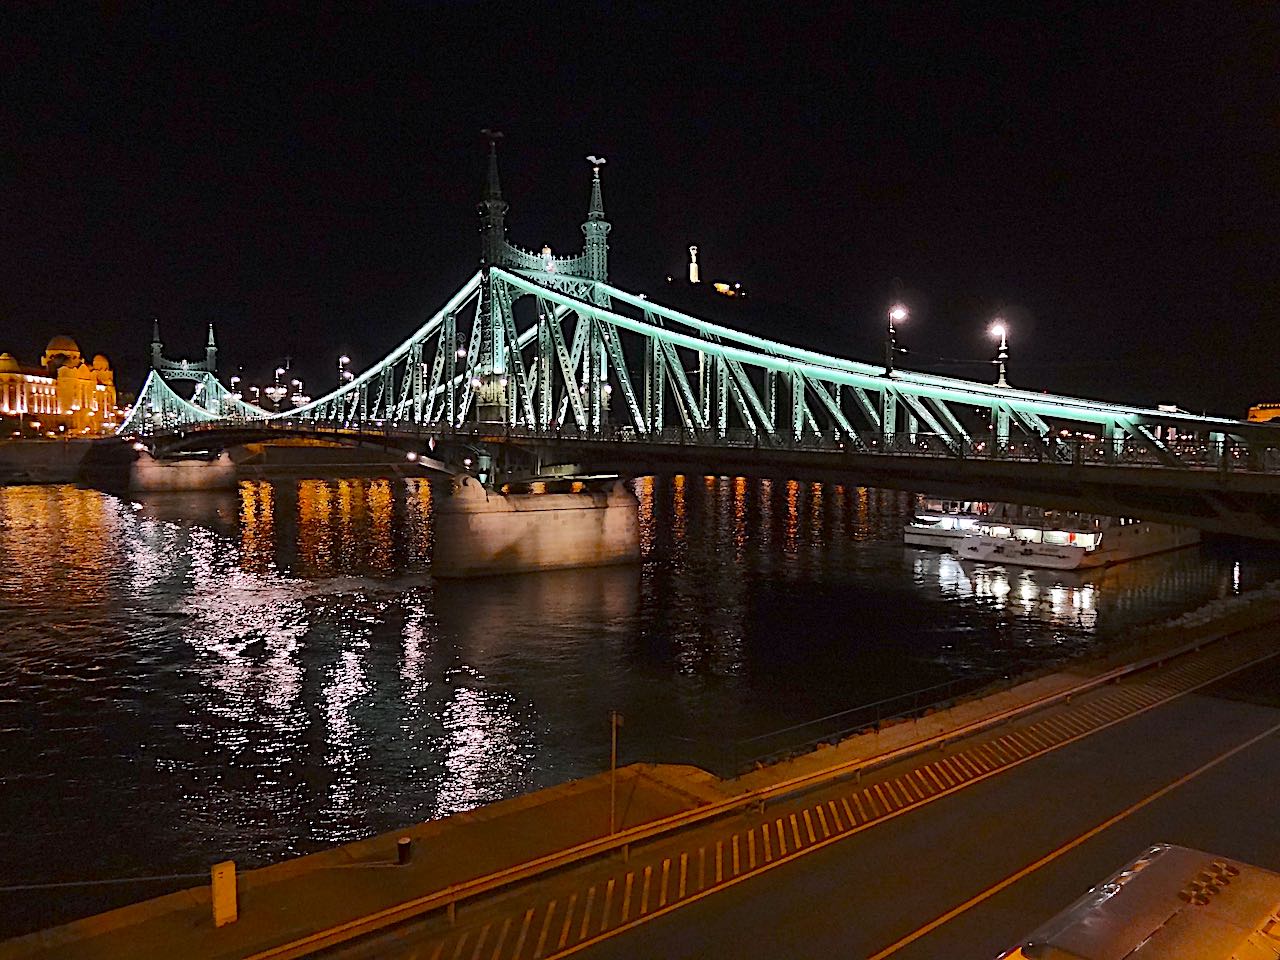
[63, 396]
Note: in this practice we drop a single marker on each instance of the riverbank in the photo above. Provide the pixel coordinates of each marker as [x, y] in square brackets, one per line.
[282, 902]
[42, 461]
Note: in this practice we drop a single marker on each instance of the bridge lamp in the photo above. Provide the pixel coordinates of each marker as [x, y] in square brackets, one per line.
[411, 456]
[897, 314]
[998, 329]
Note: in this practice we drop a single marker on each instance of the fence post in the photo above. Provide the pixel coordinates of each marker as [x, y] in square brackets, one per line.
[222, 881]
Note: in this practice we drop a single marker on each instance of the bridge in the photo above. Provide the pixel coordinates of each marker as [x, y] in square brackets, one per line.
[539, 368]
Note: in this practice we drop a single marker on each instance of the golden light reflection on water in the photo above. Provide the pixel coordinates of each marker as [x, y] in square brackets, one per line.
[257, 524]
[315, 533]
[644, 513]
[739, 517]
[791, 539]
[418, 509]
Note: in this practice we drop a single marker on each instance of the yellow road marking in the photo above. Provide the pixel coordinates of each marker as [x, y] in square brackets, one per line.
[484, 934]
[502, 938]
[626, 895]
[608, 902]
[546, 926]
[719, 861]
[768, 850]
[822, 820]
[880, 793]
[568, 922]
[586, 913]
[808, 825]
[835, 814]
[1069, 846]
[524, 933]
[666, 871]
[737, 859]
[795, 830]
[782, 840]
[644, 890]
[684, 870]
[853, 821]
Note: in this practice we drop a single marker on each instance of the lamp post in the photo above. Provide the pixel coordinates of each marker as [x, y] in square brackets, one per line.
[998, 329]
[897, 313]
[344, 375]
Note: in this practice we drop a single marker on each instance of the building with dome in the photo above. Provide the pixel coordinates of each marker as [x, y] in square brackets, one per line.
[64, 396]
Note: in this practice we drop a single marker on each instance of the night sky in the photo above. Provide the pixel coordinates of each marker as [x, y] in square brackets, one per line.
[308, 179]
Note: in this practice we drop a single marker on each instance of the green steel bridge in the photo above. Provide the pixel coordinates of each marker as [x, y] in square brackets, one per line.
[539, 368]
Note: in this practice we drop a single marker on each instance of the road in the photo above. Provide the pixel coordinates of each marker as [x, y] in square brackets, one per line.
[914, 861]
[858, 897]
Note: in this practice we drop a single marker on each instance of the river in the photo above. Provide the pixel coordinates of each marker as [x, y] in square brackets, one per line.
[261, 673]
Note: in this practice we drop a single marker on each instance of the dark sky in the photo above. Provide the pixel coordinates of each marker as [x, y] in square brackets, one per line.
[308, 179]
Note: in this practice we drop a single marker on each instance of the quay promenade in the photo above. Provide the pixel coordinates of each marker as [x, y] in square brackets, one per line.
[536, 876]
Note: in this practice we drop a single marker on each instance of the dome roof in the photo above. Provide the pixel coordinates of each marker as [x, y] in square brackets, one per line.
[62, 344]
[101, 363]
[7, 363]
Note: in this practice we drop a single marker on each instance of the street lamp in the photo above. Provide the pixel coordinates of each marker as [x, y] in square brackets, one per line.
[897, 313]
[998, 329]
[344, 375]
[235, 388]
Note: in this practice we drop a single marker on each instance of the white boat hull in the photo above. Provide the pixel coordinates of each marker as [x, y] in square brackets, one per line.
[1047, 556]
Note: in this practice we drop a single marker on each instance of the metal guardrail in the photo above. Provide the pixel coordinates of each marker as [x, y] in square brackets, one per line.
[1225, 456]
[450, 896]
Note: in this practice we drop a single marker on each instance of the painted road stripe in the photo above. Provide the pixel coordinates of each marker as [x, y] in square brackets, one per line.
[484, 935]
[751, 849]
[586, 913]
[608, 902]
[702, 868]
[435, 954]
[863, 815]
[502, 938]
[768, 851]
[524, 933]
[835, 814]
[808, 825]
[795, 830]
[881, 795]
[822, 821]
[626, 895]
[666, 873]
[644, 890]
[782, 840]
[737, 856]
[546, 925]
[568, 922]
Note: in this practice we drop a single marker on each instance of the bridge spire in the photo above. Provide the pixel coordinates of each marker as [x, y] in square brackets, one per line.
[596, 229]
[211, 353]
[493, 208]
[156, 347]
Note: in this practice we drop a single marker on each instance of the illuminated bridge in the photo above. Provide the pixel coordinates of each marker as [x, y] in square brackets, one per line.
[539, 368]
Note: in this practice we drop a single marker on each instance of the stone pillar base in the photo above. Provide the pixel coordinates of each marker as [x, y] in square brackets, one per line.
[480, 533]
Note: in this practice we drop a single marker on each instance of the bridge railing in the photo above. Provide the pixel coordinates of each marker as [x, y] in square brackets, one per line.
[1227, 455]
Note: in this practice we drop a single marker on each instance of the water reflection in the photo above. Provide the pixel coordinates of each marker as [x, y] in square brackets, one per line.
[273, 669]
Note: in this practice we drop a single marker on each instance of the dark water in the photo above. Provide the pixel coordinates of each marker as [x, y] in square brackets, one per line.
[256, 674]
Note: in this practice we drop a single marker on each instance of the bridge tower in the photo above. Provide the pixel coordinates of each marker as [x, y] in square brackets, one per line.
[597, 228]
[183, 369]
